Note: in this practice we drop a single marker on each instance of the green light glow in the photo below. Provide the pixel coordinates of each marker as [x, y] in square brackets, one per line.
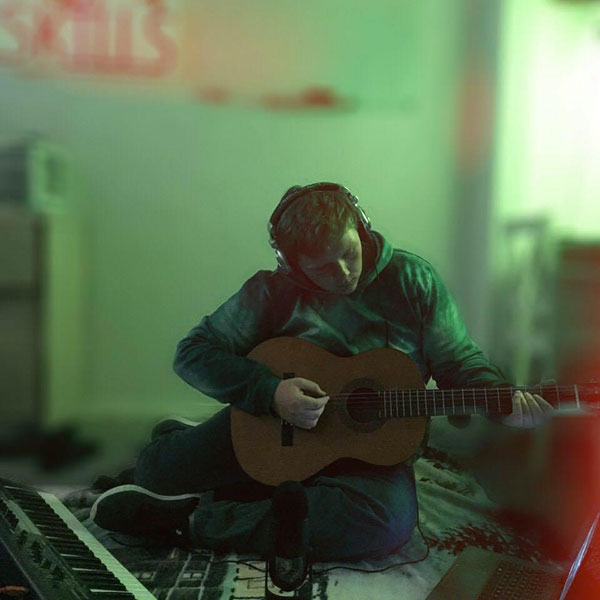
[549, 115]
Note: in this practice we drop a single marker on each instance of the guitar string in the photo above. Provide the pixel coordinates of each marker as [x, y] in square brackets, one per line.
[476, 394]
[415, 397]
[470, 390]
[429, 409]
[476, 398]
[427, 406]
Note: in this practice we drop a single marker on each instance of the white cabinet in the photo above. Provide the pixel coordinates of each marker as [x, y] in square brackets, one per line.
[41, 288]
[21, 330]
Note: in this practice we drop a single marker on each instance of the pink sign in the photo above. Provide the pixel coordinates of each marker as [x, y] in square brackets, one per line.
[88, 37]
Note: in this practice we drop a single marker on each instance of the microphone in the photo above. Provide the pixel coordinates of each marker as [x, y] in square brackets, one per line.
[289, 564]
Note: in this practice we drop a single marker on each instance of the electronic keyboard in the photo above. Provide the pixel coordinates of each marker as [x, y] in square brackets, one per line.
[56, 556]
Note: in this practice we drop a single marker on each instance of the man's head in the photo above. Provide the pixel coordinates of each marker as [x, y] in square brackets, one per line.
[318, 233]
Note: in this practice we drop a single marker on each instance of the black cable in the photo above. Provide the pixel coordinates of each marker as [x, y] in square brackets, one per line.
[401, 564]
[239, 562]
[320, 571]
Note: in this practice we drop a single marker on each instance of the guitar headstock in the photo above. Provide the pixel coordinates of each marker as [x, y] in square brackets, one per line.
[585, 395]
[589, 393]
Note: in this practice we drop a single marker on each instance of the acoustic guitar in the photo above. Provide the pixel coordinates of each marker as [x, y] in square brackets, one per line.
[377, 411]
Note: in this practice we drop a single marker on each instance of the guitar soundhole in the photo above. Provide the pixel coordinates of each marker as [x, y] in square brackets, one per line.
[362, 405]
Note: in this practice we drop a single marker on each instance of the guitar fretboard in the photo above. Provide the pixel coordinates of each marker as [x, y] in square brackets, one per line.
[466, 401]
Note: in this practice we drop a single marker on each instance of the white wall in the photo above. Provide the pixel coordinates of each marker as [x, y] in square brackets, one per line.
[548, 149]
[177, 197]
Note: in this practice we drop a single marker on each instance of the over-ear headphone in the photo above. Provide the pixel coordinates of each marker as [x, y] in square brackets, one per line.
[297, 192]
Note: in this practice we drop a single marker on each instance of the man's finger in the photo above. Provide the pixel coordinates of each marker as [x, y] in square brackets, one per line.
[517, 406]
[528, 418]
[315, 403]
[536, 410]
[544, 404]
[310, 386]
[515, 419]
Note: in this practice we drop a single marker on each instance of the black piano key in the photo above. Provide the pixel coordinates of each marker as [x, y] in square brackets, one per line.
[79, 556]
[101, 595]
[76, 560]
[42, 519]
[77, 563]
[38, 517]
[56, 530]
[79, 549]
[65, 540]
[86, 557]
[98, 573]
[99, 583]
[26, 500]
[102, 583]
[35, 504]
[67, 537]
[69, 541]
[19, 491]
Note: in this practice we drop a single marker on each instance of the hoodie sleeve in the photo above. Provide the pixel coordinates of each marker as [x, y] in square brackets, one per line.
[212, 357]
[455, 360]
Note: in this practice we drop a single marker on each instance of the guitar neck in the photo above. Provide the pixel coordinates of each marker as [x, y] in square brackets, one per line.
[468, 401]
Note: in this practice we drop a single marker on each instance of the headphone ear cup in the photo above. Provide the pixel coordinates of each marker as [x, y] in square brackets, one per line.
[362, 215]
[272, 225]
[363, 218]
[282, 261]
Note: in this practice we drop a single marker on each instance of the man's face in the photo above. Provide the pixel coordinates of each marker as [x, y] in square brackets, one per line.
[338, 268]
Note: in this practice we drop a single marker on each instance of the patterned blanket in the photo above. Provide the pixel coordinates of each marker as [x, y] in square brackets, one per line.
[454, 512]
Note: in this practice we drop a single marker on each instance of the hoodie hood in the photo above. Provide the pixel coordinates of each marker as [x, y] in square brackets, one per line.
[382, 252]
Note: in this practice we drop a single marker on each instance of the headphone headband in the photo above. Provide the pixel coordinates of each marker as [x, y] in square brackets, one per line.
[296, 193]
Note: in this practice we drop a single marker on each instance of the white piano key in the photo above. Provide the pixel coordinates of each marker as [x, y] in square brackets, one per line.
[139, 591]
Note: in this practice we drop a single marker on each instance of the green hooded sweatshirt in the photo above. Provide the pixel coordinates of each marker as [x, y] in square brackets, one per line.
[400, 302]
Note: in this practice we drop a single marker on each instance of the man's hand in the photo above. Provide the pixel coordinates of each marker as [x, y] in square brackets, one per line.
[528, 410]
[302, 409]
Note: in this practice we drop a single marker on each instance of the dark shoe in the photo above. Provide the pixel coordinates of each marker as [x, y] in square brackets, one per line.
[136, 511]
[171, 424]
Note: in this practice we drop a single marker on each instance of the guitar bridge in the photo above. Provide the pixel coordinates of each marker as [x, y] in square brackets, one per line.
[287, 429]
[287, 433]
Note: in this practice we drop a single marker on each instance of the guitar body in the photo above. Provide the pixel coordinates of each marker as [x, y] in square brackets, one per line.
[271, 451]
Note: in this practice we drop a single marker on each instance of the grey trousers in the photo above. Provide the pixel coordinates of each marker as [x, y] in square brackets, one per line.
[355, 510]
